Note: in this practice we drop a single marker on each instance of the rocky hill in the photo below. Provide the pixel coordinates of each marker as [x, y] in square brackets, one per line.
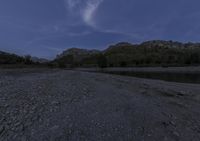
[150, 53]
[39, 60]
[77, 52]
[77, 57]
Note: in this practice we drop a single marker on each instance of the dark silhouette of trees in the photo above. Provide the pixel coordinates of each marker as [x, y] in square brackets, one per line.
[65, 61]
[102, 61]
[28, 60]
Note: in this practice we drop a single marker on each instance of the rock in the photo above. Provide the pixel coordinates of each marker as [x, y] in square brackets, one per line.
[33, 108]
[54, 128]
[7, 112]
[2, 128]
[143, 91]
[6, 105]
[70, 125]
[182, 93]
[55, 103]
[17, 124]
[165, 124]
[35, 118]
[23, 138]
[20, 128]
[172, 123]
[176, 134]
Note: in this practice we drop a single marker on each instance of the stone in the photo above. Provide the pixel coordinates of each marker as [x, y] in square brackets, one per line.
[2, 128]
[176, 133]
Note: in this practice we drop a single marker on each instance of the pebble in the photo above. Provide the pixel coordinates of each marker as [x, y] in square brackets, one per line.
[2, 128]
[55, 102]
[17, 124]
[182, 93]
[55, 127]
[143, 91]
[176, 133]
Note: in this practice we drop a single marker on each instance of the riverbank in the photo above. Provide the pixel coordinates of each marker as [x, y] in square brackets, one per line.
[74, 105]
[190, 69]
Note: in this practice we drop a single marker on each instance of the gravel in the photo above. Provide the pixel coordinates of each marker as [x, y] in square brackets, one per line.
[62, 105]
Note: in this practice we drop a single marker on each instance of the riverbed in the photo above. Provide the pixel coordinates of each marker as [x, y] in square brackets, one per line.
[46, 104]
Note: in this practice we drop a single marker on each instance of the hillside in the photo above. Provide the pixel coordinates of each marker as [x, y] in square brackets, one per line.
[7, 58]
[150, 53]
[77, 52]
[39, 60]
[77, 57]
[13, 60]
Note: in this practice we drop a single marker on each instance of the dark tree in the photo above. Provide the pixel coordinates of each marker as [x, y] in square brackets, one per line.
[28, 60]
[102, 61]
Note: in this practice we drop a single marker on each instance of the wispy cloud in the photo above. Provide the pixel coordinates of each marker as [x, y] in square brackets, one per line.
[89, 11]
[86, 9]
[71, 3]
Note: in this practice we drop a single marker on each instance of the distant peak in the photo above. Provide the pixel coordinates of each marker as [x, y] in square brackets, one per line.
[123, 44]
[77, 52]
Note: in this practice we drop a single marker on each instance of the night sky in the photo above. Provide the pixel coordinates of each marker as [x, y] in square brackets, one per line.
[45, 28]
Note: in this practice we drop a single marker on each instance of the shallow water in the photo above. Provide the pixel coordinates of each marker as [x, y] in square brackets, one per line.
[167, 76]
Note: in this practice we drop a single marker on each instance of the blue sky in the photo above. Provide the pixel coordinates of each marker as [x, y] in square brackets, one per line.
[45, 28]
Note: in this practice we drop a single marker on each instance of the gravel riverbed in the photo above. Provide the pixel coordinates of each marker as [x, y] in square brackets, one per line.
[64, 105]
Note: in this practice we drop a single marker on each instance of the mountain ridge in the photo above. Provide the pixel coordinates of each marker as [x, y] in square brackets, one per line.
[154, 52]
[122, 54]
